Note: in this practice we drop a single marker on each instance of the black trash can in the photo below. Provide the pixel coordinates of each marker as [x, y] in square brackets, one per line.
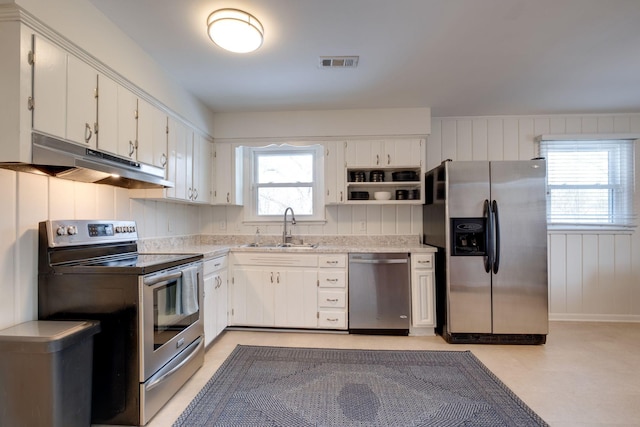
[45, 372]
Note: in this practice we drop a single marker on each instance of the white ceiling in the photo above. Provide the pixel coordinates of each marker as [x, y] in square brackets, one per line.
[459, 57]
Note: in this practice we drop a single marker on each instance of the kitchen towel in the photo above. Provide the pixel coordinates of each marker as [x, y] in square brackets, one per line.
[190, 291]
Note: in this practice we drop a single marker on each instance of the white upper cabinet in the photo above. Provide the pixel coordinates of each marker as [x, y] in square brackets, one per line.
[49, 87]
[82, 107]
[227, 175]
[127, 124]
[334, 177]
[177, 166]
[199, 190]
[385, 153]
[107, 114]
[152, 135]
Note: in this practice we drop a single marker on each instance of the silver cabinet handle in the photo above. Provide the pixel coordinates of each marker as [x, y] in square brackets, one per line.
[331, 300]
[332, 280]
[388, 159]
[163, 160]
[377, 159]
[131, 148]
[87, 132]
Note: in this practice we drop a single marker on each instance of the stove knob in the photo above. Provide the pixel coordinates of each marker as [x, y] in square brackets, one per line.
[133, 228]
[118, 229]
[71, 230]
[61, 231]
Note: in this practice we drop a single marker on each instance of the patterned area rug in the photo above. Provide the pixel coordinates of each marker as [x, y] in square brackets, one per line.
[278, 386]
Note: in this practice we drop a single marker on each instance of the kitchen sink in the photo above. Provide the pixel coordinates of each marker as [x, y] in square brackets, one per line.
[281, 245]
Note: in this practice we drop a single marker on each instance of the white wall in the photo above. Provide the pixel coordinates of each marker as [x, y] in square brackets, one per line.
[593, 276]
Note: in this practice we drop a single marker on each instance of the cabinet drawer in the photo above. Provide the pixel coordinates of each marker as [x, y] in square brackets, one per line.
[332, 260]
[332, 319]
[424, 261]
[215, 264]
[336, 299]
[332, 279]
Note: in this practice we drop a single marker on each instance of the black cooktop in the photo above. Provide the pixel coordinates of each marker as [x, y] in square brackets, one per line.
[129, 263]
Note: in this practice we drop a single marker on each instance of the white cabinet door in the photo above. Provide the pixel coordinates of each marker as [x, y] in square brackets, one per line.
[107, 130]
[422, 291]
[403, 153]
[152, 135]
[177, 164]
[221, 301]
[200, 190]
[253, 296]
[215, 297]
[296, 298]
[209, 309]
[160, 137]
[82, 107]
[227, 181]
[49, 87]
[127, 123]
[144, 114]
[361, 153]
[335, 171]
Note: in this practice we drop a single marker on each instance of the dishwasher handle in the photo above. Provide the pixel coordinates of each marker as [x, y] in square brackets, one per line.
[379, 261]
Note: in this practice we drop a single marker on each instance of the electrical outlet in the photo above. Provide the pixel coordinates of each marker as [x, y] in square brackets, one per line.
[222, 225]
[170, 225]
[363, 226]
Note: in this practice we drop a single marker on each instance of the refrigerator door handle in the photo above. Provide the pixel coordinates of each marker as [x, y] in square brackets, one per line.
[496, 220]
[488, 236]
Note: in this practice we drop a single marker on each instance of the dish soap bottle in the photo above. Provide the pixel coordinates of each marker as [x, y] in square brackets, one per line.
[256, 239]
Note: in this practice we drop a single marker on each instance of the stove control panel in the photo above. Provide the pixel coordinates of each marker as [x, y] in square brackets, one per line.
[88, 232]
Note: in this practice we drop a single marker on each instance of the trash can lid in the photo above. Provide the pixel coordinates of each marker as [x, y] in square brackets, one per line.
[46, 336]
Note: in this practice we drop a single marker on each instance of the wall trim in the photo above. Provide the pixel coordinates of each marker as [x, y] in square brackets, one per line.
[585, 317]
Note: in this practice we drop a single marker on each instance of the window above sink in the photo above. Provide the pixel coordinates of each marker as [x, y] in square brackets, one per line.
[282, 176]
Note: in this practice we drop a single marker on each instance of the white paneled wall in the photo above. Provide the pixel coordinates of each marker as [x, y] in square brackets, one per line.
[29, 199]
[592, 276]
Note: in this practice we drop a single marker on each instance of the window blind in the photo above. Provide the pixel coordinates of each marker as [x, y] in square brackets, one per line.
[589, 183]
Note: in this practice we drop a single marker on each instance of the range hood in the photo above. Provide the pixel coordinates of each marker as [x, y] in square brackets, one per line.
[62, 159]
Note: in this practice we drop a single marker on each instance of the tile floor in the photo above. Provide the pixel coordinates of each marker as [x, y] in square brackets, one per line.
[588, 374]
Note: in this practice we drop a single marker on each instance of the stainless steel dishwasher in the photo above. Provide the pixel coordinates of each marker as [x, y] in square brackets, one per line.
[379, 293]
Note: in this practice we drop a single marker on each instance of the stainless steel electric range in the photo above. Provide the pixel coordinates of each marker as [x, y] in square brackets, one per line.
[149, 306]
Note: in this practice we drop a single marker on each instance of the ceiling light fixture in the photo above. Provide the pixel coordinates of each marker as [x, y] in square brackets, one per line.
[235, 30]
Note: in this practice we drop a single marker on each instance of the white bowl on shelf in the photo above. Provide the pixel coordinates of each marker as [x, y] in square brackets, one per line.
[382, 195]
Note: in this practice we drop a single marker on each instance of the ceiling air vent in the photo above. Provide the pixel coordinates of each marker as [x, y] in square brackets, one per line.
[339, 61]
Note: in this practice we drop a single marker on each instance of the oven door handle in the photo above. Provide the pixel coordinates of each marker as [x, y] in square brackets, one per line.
[196, 345]
[154, 280]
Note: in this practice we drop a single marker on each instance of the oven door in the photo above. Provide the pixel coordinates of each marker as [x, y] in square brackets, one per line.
[170, 315]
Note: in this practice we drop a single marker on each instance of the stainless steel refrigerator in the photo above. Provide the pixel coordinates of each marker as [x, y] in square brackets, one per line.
[488, 220]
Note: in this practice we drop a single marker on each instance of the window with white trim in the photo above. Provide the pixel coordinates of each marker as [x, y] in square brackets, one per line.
[285, 176]
[590, 183]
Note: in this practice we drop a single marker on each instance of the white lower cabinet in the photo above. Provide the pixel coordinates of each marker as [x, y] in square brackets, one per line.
[423, 311]
[332, 291]
[288, 290]
[215, 297]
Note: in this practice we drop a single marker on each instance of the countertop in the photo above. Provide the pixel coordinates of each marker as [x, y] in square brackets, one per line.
[209, 250]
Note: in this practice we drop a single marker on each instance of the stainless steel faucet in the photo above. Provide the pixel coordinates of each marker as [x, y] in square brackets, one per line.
[286, 238]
